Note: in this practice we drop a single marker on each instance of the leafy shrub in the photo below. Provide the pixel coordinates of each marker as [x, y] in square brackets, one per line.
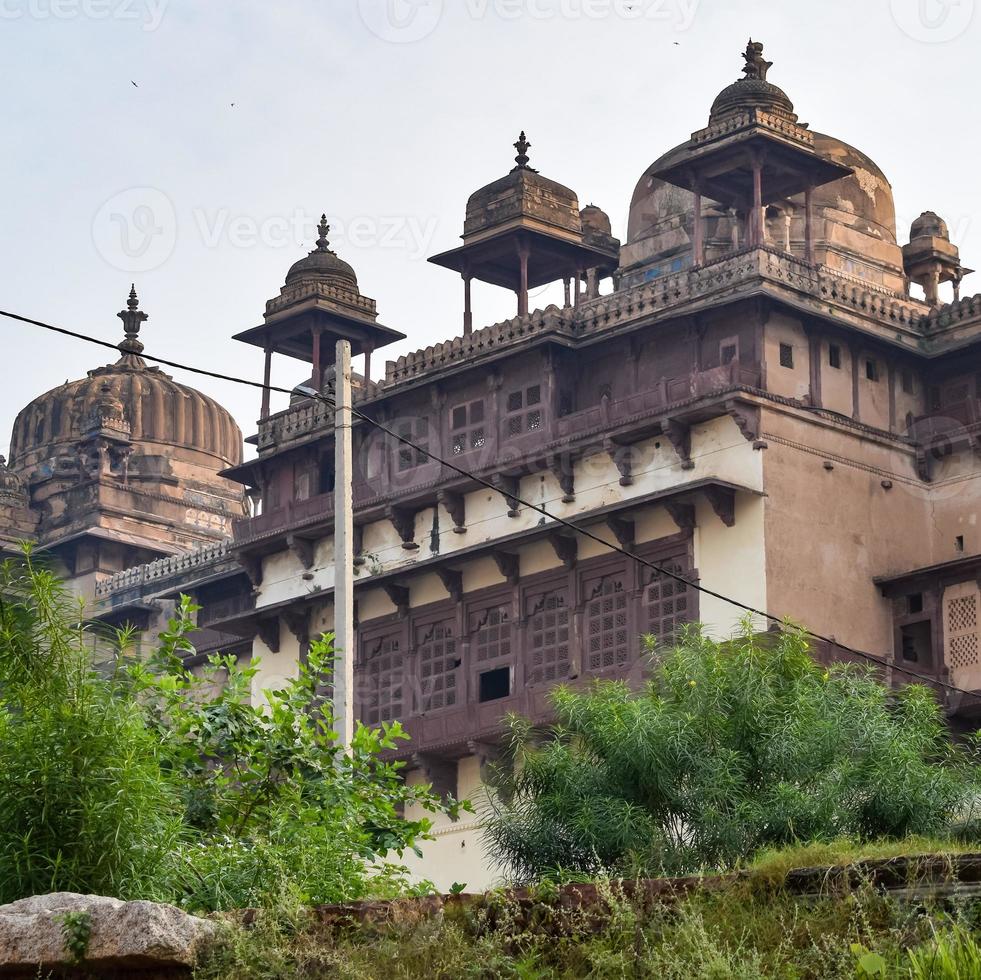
[84, 803]
[151, 781]
[731, 748]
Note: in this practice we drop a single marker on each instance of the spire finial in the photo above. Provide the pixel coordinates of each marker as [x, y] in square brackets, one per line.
[323, 245]
[756, 65]
[132, 318]
[523, 146]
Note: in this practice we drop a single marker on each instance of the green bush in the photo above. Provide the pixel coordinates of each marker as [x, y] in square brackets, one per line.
[84, 803]
[731, 748]
[146, 780]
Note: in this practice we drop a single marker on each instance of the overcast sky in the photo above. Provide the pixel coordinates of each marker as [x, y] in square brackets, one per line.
[191, 146]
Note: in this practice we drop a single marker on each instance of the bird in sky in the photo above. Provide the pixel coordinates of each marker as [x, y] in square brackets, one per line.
[133, 83]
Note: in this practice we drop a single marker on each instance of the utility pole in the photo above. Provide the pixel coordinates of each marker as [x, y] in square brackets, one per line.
[343, 550]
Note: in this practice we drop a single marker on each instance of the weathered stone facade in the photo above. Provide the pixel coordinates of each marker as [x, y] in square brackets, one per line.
[760, 404]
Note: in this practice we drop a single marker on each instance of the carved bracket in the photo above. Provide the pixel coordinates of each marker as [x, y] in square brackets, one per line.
[623, 531]
[439, 773]
[268, 631]
[747, 418]
[566, 549]
[358, 541]
[622, 456]
[723, 501]
[302, 548]
[507, 565]
[456, 507]
[563, 473]
[683, 514]
[404, 521]
[452, 582]
[487, 756]
[399, 595]
[679, 435]
[508, 486]
[298, 623]
[253, 568]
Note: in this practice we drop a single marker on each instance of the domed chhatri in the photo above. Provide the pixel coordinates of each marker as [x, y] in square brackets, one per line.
[931, 259]
[147, 449]
[322, 264]
[525, 230]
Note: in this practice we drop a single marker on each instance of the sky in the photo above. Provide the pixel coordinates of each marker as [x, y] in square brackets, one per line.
[190, 147]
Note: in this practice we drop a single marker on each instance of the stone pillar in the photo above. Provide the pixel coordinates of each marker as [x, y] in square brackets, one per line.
[567, 283]
[467, 308]
[318, 371]
[523, 284]
[698, 242]
[266, 375]
[809, 225]
[757, 238]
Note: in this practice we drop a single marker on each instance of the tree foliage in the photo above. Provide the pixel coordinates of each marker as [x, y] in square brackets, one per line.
[149, 780]
[730, 748]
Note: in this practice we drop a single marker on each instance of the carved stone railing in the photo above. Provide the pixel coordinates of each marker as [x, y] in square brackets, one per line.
[296, 421]
[294, 514]
[483, 341]
[163, 568]
[321, 290]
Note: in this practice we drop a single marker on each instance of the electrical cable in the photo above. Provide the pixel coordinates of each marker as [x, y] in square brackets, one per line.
[509, 497]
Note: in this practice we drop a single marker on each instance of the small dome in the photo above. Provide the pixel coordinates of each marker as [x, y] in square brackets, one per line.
[140, 401]
[929, 225]
[523, 192]
[322, 264]
[596, 220]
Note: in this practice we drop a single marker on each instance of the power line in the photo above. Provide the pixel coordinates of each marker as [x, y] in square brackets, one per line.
[577, 528]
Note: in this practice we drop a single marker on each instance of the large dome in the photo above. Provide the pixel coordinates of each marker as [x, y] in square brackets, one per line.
[855, 227]
[156, 412]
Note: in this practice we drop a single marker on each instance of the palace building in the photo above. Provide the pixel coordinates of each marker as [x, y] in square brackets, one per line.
[745, 391]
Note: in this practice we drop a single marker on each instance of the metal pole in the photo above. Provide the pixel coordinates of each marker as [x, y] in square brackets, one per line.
[343, 551]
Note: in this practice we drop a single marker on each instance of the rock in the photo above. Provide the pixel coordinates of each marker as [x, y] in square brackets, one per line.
[127, 938]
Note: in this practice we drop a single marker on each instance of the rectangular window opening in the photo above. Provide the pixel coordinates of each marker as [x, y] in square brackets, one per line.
[495, 684]
[914, 603]
[908, 386]
[959, 544]
[871, 370]
[786, 356]
[834, 356]
[917, 643]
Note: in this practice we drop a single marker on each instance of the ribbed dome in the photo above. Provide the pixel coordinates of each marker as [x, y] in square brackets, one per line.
[750, 93]
[322, 264]
[146, 404]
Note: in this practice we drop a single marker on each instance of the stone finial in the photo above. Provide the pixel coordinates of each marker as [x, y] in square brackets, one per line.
[132, 318]
[523, 146]
[323, 245]
[756, 65]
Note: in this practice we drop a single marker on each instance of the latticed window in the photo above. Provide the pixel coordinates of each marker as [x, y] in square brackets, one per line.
[962, 630]
[668, 603]
[524, 411]
[416, 430]
[467, 427]
[548, 637]
[436, 646]
[383, 669]
[607, 623]
[492, 633]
